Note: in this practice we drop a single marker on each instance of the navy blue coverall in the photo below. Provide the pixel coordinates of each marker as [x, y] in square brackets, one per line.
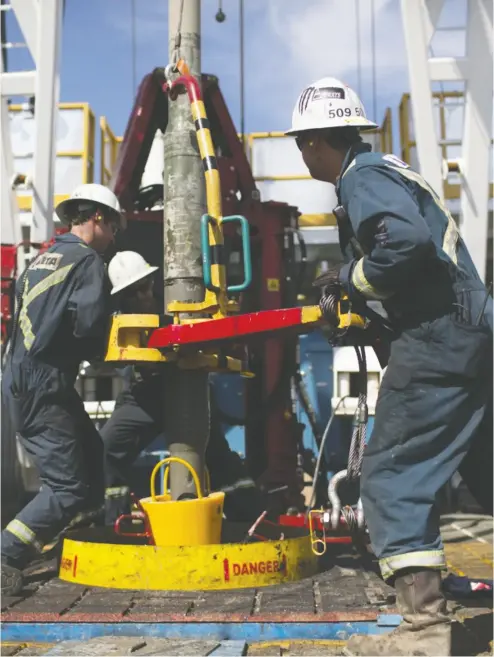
[62, 313]
[435, 401]
[138, 420]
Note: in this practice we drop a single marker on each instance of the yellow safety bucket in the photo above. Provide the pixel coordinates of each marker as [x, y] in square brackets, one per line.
[187, 522]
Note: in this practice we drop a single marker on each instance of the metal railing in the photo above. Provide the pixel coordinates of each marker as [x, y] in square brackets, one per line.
[109, 150]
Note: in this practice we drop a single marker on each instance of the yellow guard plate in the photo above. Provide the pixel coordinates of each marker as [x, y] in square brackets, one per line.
[188, 568]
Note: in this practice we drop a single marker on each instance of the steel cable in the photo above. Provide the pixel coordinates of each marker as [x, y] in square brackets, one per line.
[357, 445]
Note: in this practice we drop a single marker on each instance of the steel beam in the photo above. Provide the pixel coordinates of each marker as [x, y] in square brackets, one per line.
[22, 83]
[448, 69]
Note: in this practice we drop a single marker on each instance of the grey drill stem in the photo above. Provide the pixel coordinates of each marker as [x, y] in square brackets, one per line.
[186, 393]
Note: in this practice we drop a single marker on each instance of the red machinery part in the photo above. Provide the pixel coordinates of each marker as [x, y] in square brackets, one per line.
[237, 327]
[150, 113]
[8, 263]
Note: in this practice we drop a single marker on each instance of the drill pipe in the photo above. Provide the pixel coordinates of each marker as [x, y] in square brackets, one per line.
[187, 415]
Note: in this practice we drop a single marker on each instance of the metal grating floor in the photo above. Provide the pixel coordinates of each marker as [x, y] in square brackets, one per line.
[317, 611]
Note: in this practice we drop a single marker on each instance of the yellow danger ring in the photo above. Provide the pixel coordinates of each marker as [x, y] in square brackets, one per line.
[187, 568]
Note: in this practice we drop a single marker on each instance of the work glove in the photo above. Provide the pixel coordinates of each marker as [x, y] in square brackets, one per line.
[330, 285]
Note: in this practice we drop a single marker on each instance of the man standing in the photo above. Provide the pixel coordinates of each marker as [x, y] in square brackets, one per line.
[402, 248]
[60, 320]
[138, 416]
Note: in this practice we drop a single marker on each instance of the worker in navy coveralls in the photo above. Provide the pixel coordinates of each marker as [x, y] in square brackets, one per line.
[434, 411]
[62, 311]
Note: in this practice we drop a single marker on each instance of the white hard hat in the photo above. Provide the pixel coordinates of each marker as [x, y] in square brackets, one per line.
[126, 268]
[92, 193]
[328, 103]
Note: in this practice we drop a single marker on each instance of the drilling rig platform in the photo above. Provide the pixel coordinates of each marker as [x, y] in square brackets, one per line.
[175, 576]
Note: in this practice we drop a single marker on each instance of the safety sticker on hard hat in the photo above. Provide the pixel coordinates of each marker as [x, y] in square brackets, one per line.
[329, 92]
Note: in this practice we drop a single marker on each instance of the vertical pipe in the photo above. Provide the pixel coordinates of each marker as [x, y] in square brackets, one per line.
[186, 392]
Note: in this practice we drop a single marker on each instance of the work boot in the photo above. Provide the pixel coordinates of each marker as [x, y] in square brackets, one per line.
[11, 579]
[426, 627]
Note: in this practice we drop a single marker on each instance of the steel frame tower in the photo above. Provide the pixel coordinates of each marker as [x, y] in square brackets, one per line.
[41, 24]
[420, 20]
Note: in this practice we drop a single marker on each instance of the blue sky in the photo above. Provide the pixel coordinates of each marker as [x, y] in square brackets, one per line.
[289, 43]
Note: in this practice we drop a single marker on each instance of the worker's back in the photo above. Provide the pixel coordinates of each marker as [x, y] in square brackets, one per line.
[63, 301]
[412, 222]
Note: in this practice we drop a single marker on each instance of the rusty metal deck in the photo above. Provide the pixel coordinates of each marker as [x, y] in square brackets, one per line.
[345, 592]
[311, 616]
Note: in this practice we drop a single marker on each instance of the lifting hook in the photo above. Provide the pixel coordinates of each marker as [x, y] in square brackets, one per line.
[336, 507]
